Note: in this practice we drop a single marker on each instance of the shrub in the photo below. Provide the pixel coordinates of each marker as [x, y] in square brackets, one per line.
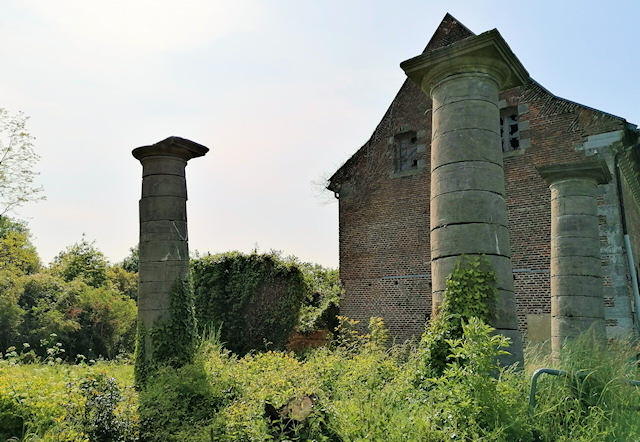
[101, 420]
[256, 298]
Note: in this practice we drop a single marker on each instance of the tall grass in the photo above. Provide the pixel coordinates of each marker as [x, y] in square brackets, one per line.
[593, 403]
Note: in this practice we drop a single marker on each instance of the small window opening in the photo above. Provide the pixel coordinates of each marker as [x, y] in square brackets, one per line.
[509, 132]
[406, 151]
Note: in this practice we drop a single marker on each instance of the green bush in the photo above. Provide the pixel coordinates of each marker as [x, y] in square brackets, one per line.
[320, 307]
[255, 298]
[101, 420]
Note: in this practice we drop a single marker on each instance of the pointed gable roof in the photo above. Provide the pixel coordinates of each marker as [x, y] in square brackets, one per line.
[449, 31]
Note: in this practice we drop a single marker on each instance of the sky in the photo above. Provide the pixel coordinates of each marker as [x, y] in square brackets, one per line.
[281, 91]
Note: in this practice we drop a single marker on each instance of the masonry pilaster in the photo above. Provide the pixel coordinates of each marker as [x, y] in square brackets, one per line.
[164, 249]
[468, 210]
[577, 302]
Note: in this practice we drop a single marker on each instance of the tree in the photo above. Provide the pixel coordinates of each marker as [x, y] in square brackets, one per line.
[84, 261]
[132, 261]
[17, 161]
[17, 254]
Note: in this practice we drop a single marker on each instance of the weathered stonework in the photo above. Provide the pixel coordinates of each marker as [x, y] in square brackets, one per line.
[385, 245]
[468, 209]
[164, 248]
[577, 302]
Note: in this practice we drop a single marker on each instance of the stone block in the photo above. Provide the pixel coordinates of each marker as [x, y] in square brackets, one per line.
[471, 175]
[460, 115]
[563, 327]
[164, 250]
[464, 88]
[148, 287]
[164, 185]
[506, 311]
[441, 269]
[466, 145]
[470, 239]
[436, 300]
[574, 205]
[163, 271]
[155, 301]
[538, 328]
[468, 206]
[163, 165]
[162, 230]
[582, 226]
[163, 208]
[578, 306]
[575, 246]
[573, 187]
[576, 265]
[576, 285]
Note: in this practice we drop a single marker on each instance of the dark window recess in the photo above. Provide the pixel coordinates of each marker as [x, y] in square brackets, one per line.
[406, 151]
[509, 130]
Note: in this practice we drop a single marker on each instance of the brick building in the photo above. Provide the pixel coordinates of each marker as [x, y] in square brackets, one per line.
[384, 204]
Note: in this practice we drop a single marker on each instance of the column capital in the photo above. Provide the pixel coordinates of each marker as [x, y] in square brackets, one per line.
[591, 169]
[485, 53]
[172, 147]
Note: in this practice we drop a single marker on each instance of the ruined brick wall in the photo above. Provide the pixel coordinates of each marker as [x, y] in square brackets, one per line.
[384, 216]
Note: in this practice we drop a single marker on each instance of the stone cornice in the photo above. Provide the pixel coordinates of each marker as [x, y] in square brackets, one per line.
[487, 52]
[594, 169]
[173, 147]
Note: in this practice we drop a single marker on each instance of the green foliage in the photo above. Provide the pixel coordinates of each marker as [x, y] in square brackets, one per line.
[17, 254]
[470, 292]
[333, 394]
[122, 281]
[17, 161]
[174, 341]
[321, 305]
[94, 322]
[101, 420]
[132, 261]
[66, 403]
[256, 298]
[81, 260]
[471, 289]
[469, 400]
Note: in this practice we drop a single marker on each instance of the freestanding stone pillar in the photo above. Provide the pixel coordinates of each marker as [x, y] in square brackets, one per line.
[468, 209]
[577, 302]
[164, 249]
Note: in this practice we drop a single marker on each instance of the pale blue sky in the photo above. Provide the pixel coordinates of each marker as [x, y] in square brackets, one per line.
[281, 91]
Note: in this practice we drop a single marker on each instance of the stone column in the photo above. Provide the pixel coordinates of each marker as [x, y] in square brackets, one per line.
[164, 249]
[468, 209]
[577, 302]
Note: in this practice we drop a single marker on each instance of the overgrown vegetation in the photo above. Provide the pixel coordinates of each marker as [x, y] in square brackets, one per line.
[358, 391]
[255, 298]
[447, 387]
[171, 342]
[470, 292]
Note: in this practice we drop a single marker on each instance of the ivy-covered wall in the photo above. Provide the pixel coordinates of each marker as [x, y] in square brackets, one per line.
[255, 298]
